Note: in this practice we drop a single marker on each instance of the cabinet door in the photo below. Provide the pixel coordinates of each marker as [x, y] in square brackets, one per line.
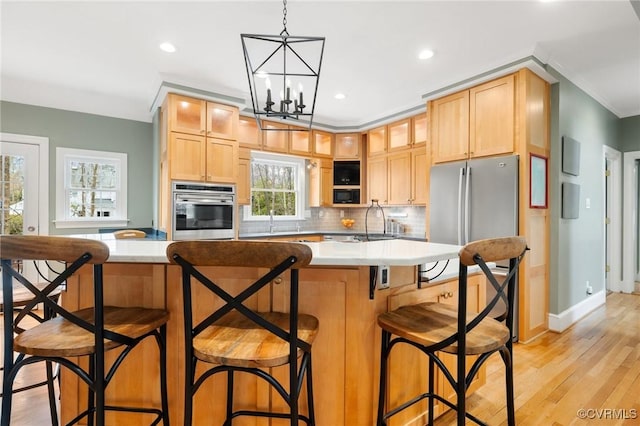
[299, 141]
[243, 188]
[222, 121]
[322, 144]
[276, 140]
[419, 128]
[492, 118]
[321, 184]
[377, 182]
[187, 157]
[399, 178]
[450, 127]
[419, 187]
[347, 146]
[222, 160]
[377, 141]
[187, 115]
[400, 135]
[249, 134]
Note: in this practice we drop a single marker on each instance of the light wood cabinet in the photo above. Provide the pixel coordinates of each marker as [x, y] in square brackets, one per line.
[321, 184]
[377, 141]
[222, 160]
[399, 179]
[275, 138]
[400, 135]
[199, 117]
[249, 133]
[474, 123]
[377, 179]
[419, 129]
[187, 157]
[419, 176]
[347, 146]
[197, 158]
[243, 187]
[299, 141]
[322, 143]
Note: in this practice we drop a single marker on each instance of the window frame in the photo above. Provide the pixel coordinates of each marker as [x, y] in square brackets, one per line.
[300, 185]
[63, 158]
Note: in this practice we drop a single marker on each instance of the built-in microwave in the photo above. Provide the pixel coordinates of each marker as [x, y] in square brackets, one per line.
[346, 196]
[346, 173]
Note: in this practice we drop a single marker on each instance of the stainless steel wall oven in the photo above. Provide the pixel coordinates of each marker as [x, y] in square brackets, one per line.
[203, 211]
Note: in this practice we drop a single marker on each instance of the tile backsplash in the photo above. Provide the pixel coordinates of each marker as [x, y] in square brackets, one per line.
[327, 219]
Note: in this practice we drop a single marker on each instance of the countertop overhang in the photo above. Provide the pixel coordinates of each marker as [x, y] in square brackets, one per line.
[394, 252]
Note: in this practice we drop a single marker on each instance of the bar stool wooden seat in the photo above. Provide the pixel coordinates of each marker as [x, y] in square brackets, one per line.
[86, 333]
[435, 328]
[235, 339]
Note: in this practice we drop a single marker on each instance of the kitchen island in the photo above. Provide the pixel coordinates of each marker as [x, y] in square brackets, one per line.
[336, 288]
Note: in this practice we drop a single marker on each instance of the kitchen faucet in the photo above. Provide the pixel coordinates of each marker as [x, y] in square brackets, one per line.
[271, 221]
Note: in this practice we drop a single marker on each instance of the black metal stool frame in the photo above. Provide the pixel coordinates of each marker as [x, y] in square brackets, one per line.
[506, 351]
[95, 376]
[295, 386]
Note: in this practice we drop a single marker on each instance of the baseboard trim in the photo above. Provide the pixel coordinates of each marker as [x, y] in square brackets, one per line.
[567, 318]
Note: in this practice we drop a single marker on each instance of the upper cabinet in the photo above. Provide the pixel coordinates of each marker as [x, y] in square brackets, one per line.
[299, 140]
[400, 134]
[322, 144]
[199, 117]
[275, 138]
[419, 129]
[377, 141]
[249, 134]
[347, 146]
[474, 123]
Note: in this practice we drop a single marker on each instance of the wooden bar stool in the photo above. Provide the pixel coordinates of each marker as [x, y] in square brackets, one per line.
[434, 328]
[87, 333]
[21, 297]
[235, 339]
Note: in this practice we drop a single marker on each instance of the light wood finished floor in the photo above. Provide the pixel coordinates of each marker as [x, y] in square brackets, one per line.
[595, 365]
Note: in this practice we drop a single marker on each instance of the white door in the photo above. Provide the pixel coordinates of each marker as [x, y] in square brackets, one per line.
[19, 177]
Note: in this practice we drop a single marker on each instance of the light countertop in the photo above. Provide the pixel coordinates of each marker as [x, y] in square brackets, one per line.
[326, 253]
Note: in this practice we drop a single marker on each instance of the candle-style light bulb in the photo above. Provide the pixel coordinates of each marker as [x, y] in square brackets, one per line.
[301, 103]
[288, 84]
[267, 83]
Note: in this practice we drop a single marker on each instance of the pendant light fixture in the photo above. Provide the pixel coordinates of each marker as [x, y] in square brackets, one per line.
[283, 72]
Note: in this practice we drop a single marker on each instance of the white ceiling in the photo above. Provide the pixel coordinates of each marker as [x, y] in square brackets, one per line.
[103, 57]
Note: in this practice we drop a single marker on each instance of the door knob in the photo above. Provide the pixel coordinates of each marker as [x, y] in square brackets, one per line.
[31, 228]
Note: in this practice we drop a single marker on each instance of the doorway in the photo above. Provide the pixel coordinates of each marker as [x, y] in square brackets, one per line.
[631, 243]
[613, 219]
[24, 177]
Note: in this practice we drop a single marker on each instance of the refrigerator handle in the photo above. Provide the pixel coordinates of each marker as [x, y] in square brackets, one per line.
[460, 224]
[466, 206]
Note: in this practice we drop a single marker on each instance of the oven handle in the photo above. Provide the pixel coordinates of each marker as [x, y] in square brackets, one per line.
[203, 199]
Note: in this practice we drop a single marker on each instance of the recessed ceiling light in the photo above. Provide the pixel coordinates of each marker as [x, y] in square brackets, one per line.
[167, 47]
[340, 96]
[426, 54]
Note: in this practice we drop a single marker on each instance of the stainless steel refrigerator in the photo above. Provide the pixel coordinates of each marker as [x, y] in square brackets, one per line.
[472, 200]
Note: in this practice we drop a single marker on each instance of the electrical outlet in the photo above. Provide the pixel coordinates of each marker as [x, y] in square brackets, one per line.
[383, 276]
[589, 288]
[341, 213]
[320, 213]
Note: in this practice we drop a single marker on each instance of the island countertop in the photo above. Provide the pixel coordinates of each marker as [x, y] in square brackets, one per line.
[395, 252]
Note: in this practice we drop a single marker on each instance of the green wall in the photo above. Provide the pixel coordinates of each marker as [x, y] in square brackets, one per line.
[630, 133]
[577, 245]
[87, 131]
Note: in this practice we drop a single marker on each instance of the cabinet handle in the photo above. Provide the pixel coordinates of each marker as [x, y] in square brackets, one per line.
[278, 280]
[443, 294]
[450, 294]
